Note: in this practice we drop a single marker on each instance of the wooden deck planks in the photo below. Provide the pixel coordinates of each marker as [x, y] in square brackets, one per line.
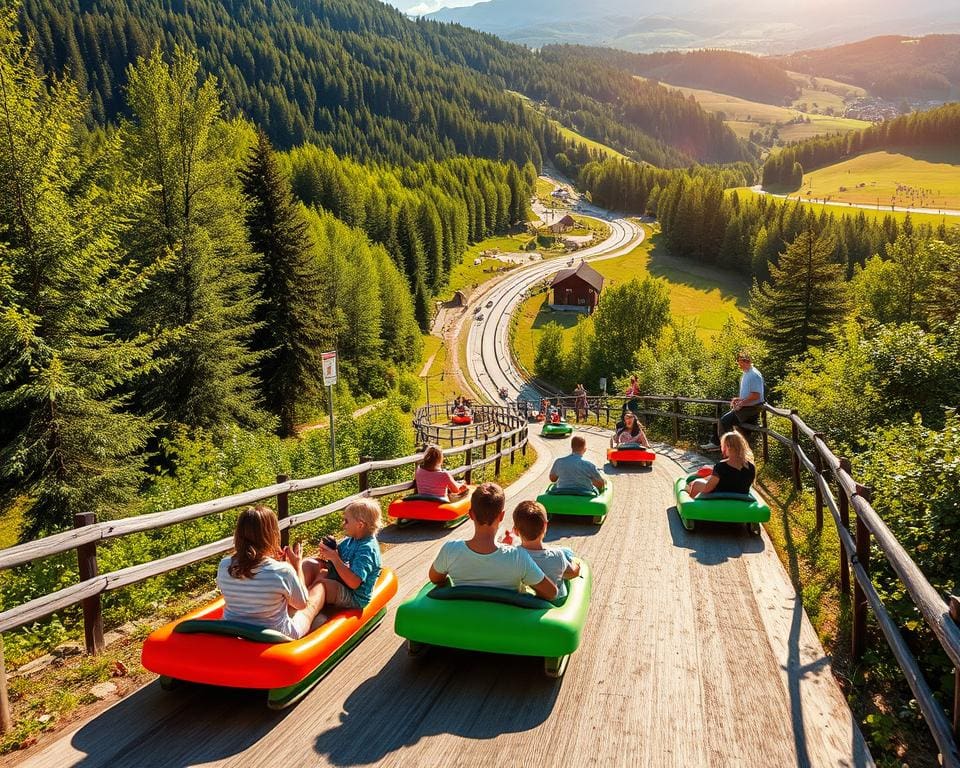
[696, 653]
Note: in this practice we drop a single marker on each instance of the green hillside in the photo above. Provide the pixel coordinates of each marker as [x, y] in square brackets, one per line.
[358, 76]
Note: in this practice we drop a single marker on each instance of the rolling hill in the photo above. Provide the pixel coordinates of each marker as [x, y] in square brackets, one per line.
[741, 25]
[368, 81]
[891, 67]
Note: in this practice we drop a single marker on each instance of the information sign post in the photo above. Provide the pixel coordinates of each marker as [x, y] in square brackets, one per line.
[329, 360]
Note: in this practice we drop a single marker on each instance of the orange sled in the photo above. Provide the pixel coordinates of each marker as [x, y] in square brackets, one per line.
[200, 648]
[431, 508]
[461, 420]
[631, 454]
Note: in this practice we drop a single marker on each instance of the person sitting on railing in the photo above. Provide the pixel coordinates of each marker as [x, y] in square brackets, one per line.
[480, 561]
[744, 409]
[574, 473]
[262, 583]
[431, 480]
[631, 434]
[734, 474]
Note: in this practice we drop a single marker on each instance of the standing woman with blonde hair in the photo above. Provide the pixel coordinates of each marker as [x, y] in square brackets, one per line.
[734, 474]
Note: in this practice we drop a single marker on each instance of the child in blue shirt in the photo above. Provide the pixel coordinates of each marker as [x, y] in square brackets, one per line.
[353, 566]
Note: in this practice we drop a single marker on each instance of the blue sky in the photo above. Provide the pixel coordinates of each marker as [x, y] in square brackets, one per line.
[426, 6]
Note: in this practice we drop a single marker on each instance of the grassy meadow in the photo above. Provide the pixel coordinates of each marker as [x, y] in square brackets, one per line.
[872, 214]
[908, 178]
[744, 116]
[704, 295]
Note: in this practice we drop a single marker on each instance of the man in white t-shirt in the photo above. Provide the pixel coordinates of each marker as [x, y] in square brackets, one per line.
[480, 561]
[743, 409]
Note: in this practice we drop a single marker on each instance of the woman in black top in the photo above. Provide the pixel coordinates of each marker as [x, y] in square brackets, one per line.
[735, 474]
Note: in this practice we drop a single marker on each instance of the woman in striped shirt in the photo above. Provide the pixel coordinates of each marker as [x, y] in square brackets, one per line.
[262, 583]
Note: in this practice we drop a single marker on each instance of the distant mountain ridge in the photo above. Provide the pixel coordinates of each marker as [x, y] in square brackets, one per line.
[891, 66]
[659, 25]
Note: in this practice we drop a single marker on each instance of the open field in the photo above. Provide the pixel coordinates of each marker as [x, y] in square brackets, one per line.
[909, 178]
[872, 214]
[698, 293]
[819, 125]
[819, 93]
[744, 116]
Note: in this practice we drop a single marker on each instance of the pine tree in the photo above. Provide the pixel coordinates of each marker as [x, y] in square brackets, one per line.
[548, 359]
[66, 443]
[294, 326]
[181, 147]
[806, 294]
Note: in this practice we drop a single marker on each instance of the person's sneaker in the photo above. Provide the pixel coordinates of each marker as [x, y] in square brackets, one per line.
[710, 447]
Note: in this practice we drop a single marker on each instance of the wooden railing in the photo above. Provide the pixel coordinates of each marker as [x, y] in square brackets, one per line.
[432, 423]
[509, 436]
[834, 488]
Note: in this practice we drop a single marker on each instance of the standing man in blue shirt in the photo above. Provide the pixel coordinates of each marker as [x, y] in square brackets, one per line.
[746, 408]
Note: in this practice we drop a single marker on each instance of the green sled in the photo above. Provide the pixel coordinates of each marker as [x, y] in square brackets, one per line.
[498, 621]
[588, 505]
[747, 508]
[561, 429]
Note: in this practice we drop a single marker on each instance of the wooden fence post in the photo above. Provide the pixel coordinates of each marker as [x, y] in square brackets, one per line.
[676, 419]
[817, 492]
[87, 565]
[765, 441]
[496, 463]
[468, 460]
[844, 504]
[6, 720]
[283, 511]
[524, 436]
[794, 459]
[859, 635]
[955, 615]
[363, 479]
[513, 448]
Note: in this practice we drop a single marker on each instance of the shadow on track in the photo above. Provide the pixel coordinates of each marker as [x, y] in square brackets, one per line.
[193, 725]
[713, 543]
[471, 695]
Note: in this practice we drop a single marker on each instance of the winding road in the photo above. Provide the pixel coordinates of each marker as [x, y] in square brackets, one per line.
[489, 361]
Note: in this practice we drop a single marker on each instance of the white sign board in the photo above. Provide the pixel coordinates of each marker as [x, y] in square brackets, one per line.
[329, 360]
[603, 384]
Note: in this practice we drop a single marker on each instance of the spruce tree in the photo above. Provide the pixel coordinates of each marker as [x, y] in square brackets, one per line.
[806, 294]
[178, 143]
[294, 324]
[67, 445]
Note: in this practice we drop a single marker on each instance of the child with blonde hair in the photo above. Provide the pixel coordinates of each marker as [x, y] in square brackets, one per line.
[353, 565]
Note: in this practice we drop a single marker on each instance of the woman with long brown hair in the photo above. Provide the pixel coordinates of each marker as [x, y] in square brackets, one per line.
[262, 583]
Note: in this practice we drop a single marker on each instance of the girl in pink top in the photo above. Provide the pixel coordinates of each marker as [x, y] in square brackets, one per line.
[431, 480]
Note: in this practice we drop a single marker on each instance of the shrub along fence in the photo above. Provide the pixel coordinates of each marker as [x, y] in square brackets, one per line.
[836, 490]
[510, 437]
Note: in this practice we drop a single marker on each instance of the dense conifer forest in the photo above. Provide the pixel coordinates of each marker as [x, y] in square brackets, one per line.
[365, 80]
[739, 74]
